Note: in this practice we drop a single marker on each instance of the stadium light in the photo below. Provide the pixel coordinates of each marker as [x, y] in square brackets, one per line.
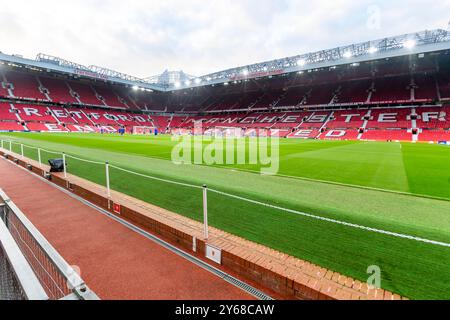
[347, 55]
[409, 44]
[198, 81]
[188, 82]
[301, 62]
[245, 72]
[373, 50]
[135, 88]
[177, 84]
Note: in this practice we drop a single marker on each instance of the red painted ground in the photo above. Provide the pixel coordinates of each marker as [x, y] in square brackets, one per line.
[115, 262]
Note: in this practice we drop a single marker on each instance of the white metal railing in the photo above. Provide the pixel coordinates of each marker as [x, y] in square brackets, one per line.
[18, 279]
[205, 189]
[55, 276]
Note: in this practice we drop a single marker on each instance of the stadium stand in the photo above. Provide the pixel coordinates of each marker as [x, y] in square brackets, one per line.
[25, 86]
[378, 100]
[35, 113]
[86, 94]
[7, 113]
[58, 90]
[110, 98]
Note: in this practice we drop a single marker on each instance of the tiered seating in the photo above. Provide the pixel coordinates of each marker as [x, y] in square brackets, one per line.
[315, 120]
[385, 135]
[354, 92]
[390, 118]
[63, 115]
[263, 120]
[425, 88]
[336, 134]
[268, 99]
[10, 126]
[321, 95]
[3, 91]
[434, 135]
[6, 113]
[111, 99]
[25, 86]
[225, 103]
[227, 120]
[87, 95]
[177, 121]
[247, 101]
[35, 113]
[291, 120]
[393, 89]
[304, 134]
[46, 127]
[160, 122]
[292, 97]
[348, 119]
[444, 86]
[189, 121]
[433, 118]
[101, 117]
[79, 116]
[58, 90]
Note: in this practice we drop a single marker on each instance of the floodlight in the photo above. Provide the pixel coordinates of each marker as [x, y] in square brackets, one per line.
[373, 50]
[188, 82]
[198, 81]
[135, 88]
[245, 72]
[409, 44]
[347, 54]
[301, 62]
[177, 84]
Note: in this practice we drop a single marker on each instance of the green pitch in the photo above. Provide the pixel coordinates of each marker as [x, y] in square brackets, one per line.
[402, 188]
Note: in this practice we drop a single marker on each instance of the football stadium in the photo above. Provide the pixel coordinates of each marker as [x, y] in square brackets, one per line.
[321, 176]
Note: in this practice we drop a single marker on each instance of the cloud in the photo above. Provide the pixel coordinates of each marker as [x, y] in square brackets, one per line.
[145, 37]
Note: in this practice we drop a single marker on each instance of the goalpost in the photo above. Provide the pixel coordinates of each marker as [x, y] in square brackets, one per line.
[143, 130]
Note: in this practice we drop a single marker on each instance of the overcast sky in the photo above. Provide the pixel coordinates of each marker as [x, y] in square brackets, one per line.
[145, 37]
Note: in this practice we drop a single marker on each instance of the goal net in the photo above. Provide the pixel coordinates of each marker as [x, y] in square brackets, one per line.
[144, 130]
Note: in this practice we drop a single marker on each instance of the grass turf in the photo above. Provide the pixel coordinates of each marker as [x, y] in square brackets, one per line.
[410, 268]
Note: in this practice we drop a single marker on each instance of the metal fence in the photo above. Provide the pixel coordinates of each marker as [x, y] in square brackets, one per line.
[30, 267]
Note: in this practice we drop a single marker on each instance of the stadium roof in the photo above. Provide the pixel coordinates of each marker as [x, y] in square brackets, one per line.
[407, 44]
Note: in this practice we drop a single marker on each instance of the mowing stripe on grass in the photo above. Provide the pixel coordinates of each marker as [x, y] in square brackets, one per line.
[84, 160]
[348, 224]
[155, 178]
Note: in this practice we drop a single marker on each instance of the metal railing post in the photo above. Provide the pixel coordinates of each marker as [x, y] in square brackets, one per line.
[108, 190]
[21, 150]
[39, 158]
[205, 211]
[64, 165]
